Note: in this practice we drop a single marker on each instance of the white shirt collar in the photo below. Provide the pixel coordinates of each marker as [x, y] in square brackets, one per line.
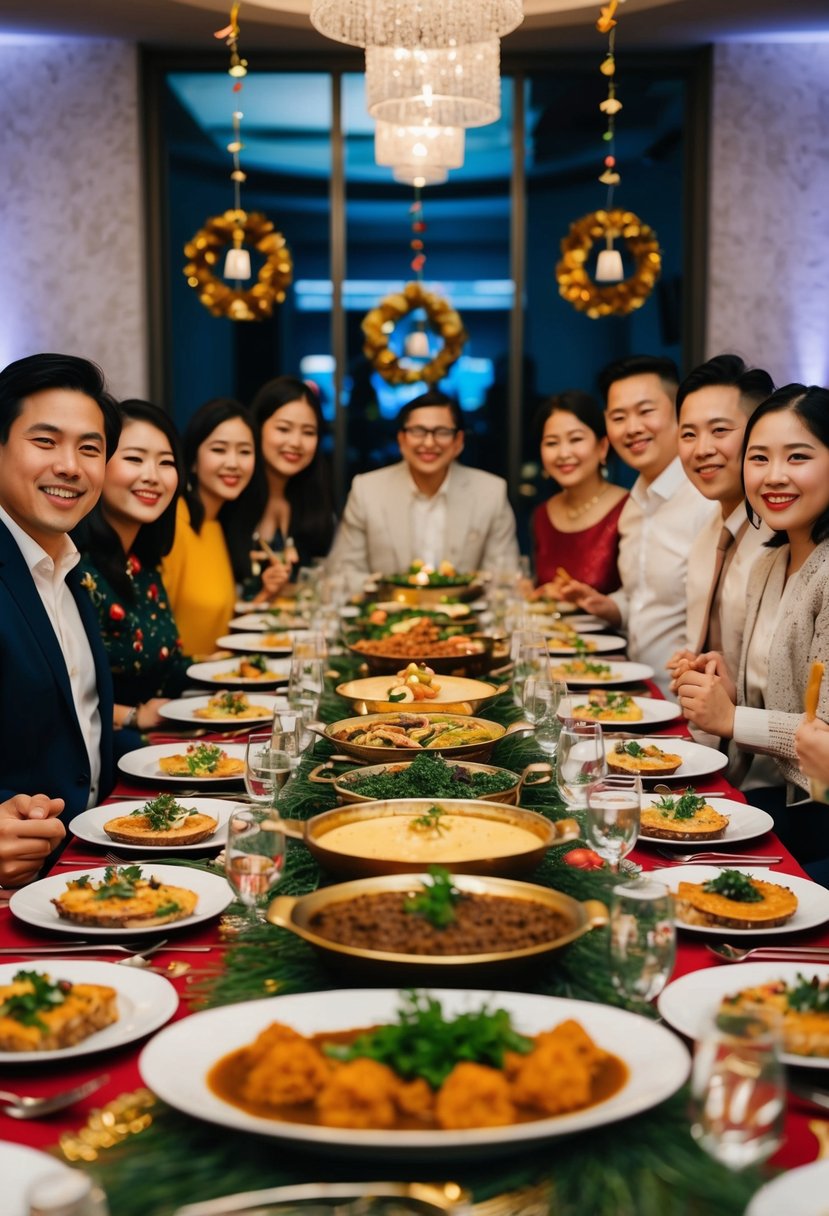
[736, 519]
[664, 486]
[440, 492]
[34, 554]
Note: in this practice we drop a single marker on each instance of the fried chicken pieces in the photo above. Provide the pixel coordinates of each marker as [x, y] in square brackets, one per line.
[281, 1069]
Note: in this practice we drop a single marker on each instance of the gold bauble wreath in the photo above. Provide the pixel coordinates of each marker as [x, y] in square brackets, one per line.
[612, 299]
[442, 317]
[204, 252]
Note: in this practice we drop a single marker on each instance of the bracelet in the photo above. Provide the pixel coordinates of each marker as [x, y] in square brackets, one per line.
[131, 719]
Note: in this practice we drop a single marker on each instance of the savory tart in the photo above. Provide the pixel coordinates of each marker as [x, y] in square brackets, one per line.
[38, 1013]
[803, 1009]
[124, 899]
[734, 900]
[249, 667]
[581, 668]
[632, 757]
[605, 706]
[684, 817]
[161, 821]
[202, 760]
[233, 705]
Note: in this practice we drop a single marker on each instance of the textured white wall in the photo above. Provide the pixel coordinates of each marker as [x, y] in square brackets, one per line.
[768, 288]
[71, 214]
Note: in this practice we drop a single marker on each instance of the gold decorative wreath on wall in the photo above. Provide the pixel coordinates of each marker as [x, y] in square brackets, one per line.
[612, 299]
[204, 253]
[443, 318]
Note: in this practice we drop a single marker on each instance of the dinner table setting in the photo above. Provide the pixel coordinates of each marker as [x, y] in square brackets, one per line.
[518, 735]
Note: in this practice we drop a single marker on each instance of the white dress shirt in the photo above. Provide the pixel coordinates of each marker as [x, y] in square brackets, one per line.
[49, 578]
[428, 515]
[657, 527]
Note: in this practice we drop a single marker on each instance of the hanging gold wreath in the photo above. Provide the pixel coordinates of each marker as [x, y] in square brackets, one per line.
[205, 250]
[616, 299]
[442, 317]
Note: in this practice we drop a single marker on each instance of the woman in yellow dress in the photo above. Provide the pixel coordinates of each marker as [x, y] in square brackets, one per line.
[215, 519]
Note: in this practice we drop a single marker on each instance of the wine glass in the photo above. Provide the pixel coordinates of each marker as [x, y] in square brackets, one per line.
[286, 742]
[738, 1093]
[580, 761]
[642, 938]
[540, 700]
[306, 683]
[613, 807]
[254, 855]
[267, 768]
[528, 652]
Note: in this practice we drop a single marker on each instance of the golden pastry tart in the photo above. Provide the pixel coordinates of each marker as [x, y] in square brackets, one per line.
[735, 900]
[650, 760]
[124, 899]
[683, 817]
[802, 1006]
[602, 705]
[231, 705]
[162, 821]
[38, 1013]
[204, 760]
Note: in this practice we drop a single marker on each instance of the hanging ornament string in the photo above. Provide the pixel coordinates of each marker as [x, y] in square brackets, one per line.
[611, 105]
[417, 243]
[230, 231]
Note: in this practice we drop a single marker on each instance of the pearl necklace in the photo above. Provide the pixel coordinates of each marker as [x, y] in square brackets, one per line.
[575, 512]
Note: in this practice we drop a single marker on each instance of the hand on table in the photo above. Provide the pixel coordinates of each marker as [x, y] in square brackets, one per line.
[811, 742]
[706, 697]
[29, 831]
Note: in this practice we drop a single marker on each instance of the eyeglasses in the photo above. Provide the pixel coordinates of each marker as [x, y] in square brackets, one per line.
[440, 434]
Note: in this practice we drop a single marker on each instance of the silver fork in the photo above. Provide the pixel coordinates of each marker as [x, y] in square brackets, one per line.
[21, 1106]
[735, 954]
[724, 859]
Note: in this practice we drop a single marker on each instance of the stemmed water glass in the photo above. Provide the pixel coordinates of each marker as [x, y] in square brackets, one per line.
[580, 761]
[267, 768]
[642, 938]
[254, 856]
[528, 652]
[541, 697]
[613, 808]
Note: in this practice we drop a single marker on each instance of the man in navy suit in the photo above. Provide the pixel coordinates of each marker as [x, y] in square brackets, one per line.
[58, 428]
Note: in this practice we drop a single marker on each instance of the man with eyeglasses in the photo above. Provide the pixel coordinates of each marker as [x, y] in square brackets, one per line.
[427, 507]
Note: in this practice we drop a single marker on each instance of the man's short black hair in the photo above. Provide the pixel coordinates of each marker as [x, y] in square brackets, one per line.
[37, 373]
[728, 371]
[639, 365]
[433, 397]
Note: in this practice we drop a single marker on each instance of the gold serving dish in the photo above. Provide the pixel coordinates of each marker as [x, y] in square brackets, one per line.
[372, 753]
[426, 596]
[343, 783]
[295, 914]
[457, 695]
[485, 651]
[430, 846]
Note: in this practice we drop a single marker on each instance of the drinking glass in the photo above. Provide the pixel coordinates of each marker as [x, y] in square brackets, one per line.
[540, 700]
[305, 685]
[738, 1095]
[613, 807]
[580, 761]
[254, 855]
[286, 742]
[642, 938]
[528, 652]
[266, 768]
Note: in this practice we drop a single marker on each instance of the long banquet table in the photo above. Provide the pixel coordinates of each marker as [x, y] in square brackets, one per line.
[801, 1145]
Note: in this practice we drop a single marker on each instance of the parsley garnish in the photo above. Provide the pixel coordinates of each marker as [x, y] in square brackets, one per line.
[204, 759]
[631, 749]
[733, 885]
[436, 902]
[163, 812]
[684, 807]
[255, 660]
[24, 1007]
[809, 996]
[431, 821]
[424, 1043]
[168, 909]
[119, 884]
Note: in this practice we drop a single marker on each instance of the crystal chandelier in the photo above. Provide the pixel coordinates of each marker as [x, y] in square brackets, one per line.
[457, 86]
[420, 175]
[411, 23]
[424, 146]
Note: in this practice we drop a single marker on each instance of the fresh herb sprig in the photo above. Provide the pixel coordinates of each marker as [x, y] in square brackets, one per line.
[45, 994]
[684, 807]
[119, 884]
[436, 902]
[204, 759]
[430, 821]
[422, 1042]
[731, 884]
[163, 812]
[808, 995]
[430, 776]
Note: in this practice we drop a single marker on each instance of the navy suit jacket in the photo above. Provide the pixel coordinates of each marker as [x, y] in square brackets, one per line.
[42, 749]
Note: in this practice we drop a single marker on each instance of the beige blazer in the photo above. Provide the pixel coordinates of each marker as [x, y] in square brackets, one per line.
[375, 534]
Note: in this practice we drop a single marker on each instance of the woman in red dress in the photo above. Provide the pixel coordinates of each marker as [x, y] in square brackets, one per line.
[577, 529]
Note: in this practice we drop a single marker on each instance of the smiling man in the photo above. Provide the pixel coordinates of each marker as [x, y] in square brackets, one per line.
[427, 507]
[660, 519]
[58, 426]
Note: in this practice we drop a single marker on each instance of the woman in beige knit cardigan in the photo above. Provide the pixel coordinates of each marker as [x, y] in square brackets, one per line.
[786, 478]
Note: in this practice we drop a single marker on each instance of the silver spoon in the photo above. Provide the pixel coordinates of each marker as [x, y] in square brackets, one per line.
[20, 1106]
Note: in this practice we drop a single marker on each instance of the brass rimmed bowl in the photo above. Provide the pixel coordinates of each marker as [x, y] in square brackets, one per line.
[426, 596]
[369, 753]
[477, 661]
[295, 915]
[344, 783]
[437, 847]
[457, 695]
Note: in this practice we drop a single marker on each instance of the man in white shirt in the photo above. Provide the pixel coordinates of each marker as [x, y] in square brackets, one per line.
[660, 519]
[58, 426]
[427, 507]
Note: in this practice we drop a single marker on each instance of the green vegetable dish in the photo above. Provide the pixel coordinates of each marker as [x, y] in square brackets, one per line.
[430, 776]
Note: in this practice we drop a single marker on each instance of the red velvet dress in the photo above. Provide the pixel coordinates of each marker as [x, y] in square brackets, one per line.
[590, 555]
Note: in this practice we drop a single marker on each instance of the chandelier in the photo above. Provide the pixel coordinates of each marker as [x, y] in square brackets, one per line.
[426, 146]
[420, 175]
[457, 86]
[415, 23]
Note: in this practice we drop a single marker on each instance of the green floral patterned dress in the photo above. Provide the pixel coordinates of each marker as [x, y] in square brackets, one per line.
[141, 638]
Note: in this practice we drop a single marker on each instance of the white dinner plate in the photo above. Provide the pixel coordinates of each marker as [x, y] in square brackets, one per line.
[744, 823]
[33, 904]
[654, 711]
[143, 763]
[89, 825]
[690, 1003]
[184, 710]
[20, 1168]
[145, 1002]
[606, 643]
[265, 622]
[620, 673]
[254, 643]
[657, 1063]
[697, 760]
[219, 673]
[800, 1192]
[812, 899]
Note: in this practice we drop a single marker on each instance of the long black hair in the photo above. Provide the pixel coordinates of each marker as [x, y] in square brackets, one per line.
[309, 491]
[811, 405]
[95, 536]
[239, 517]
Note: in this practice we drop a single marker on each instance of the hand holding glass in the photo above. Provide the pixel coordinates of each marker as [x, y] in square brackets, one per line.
[254, 855]
[642, 939]
[613, 807]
